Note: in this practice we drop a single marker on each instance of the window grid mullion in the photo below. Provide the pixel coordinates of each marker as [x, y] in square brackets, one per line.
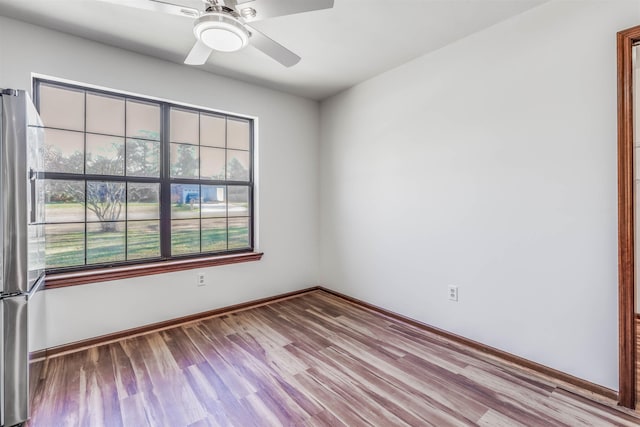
[86, 189]
[86, 228]
[126, 219]
[200, 182]
[226, 187]
[165, 183]
[251, 178]
[126, 185]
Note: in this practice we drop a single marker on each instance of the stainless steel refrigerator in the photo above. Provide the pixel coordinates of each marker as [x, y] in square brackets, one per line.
[22, 250]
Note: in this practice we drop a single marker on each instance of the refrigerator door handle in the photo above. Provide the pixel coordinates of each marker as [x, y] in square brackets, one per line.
[32, 188]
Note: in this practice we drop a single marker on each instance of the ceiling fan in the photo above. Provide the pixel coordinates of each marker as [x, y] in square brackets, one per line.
[223, 25]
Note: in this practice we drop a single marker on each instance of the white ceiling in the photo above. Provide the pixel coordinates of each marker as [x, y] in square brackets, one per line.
[340, 47]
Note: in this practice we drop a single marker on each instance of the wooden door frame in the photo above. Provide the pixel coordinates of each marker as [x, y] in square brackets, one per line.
[626, 228]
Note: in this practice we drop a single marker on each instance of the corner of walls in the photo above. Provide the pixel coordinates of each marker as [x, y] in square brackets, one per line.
[489, 164]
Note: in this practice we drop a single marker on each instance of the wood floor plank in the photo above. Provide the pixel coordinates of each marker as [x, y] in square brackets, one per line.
[496, 419]
[432, 411]
[393, 395]
[215, 350]
[387, 367]
[600, 414]
[184, 354]
[337, 406]
[323, 419]
[125, 379]
[103, 391]
[133, 411]
[132, 349]
[367, 407]
[312, 360]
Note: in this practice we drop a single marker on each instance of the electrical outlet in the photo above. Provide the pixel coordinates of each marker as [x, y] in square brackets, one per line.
[453, 293]
[200, 279]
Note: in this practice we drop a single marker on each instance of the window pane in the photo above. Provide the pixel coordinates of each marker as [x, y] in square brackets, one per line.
[238, 134]
[184, 126]
[62, 108]
[143, 158]
[64, 201]
[143, 239]
[185, 236]
[105, 114]
[41, 202]
[105, 242]
[63, 151]
[36, 248]
[212, 163]
[214, 235]
[143, 120]
[105, 155]
[185, 201]
[238, 233]
[237, 165]
[184, 161]
[143, 201]
[238, 201]
[212, 130]
[35, 152]
[64, 245]
[213, 203]
[105, 201]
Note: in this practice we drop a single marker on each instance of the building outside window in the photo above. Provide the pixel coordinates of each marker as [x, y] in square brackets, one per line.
[132, 180]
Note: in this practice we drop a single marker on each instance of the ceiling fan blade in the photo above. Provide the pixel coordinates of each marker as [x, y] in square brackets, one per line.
[159, 6]
[199, 54]
[273, 49]
[271, 8]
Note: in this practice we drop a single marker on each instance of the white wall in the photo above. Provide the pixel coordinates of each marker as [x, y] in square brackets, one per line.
[490, 165]
[287, 165]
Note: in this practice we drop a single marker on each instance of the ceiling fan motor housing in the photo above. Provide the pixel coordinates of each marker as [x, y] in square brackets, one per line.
[221, 31]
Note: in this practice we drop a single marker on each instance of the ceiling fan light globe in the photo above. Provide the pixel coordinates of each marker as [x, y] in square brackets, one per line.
[221, 32]
[223, 39]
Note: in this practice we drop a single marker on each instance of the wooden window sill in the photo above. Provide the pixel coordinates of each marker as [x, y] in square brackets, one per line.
[62, 280]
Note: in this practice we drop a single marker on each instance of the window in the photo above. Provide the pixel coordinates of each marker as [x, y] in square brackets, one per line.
[132, 180]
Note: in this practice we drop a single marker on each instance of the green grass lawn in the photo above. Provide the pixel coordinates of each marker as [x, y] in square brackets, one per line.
[68, 248]
[66, 244]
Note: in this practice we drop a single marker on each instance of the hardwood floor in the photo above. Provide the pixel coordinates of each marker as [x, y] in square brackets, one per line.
[313, 360]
